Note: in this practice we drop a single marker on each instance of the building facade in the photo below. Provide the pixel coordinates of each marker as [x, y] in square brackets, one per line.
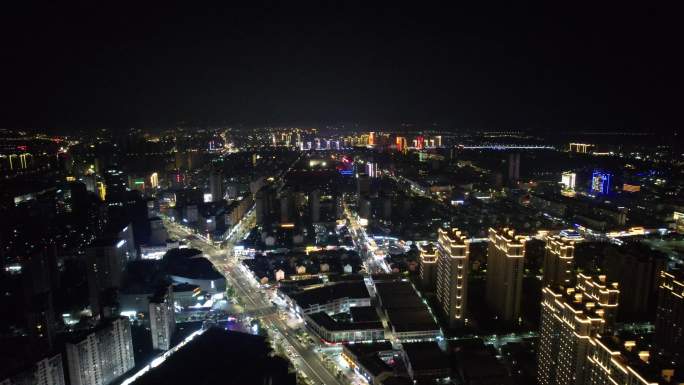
[428, 267]
[559, 256]
[47, 371]
[453, 266]
[505, 265]
[101, 356]
[570, 319]
[669, 325]
[162, 318]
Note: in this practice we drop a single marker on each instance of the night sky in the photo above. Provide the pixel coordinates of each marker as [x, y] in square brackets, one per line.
[475, 66]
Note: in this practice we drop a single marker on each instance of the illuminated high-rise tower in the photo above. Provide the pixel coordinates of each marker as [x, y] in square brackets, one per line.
[452, 274]
[428, 266]
[669, 325]
[571, 319]
[559, 257]
[505, 264]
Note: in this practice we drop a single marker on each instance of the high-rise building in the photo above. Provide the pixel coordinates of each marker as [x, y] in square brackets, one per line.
[615, 360]
[116, 183]
[452, 274]
[106, 259]
[428, 267]
[505, 265]
[154, 180]
[315, 205]
[362, 184]
[637, 269]
[372, 169]
[513, 167]
[559, 255]
[162, 318]
[402, 144]
[600, 182]
[571, 318]
[669, 325]
[287, 206]
[568, 180]
[264, 202]
[101, 356]
[46, 371]
[216, 185]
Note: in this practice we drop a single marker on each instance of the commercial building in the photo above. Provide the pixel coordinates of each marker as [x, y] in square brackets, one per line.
[47, 371]
[370, 360]
[559, 256]
[669, 325]
[335, 332]
[332, 298]
[568, 180]
[425, 361]
[452, 274]
[101, 356]
[505, 265]
[162, 318]
[200, 272]
[428, 267]
[600, 182]
[571, 318]
[407, 314]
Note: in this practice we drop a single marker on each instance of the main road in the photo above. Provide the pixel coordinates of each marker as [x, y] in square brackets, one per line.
[255, 299]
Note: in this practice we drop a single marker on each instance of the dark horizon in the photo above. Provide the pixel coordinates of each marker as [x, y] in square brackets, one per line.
[508, 67]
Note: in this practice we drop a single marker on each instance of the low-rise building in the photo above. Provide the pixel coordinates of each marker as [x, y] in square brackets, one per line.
[334, 332]
[331, 298]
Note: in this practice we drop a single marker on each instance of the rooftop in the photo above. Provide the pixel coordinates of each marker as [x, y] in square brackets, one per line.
[331, 292]
[209, 357]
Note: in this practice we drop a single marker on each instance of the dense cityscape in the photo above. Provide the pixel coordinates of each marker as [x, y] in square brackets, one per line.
[341, 194]
[342, 256]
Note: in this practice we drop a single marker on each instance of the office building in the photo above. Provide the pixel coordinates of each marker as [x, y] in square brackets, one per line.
[559, 257]
[162, 318]
[571, 318]
[101, 356]
[505, 265]
[453, 265]
[428, 267]
[669, 325]
[46, 371]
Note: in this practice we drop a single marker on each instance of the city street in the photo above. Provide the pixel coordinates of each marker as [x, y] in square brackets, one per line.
[255, 300]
